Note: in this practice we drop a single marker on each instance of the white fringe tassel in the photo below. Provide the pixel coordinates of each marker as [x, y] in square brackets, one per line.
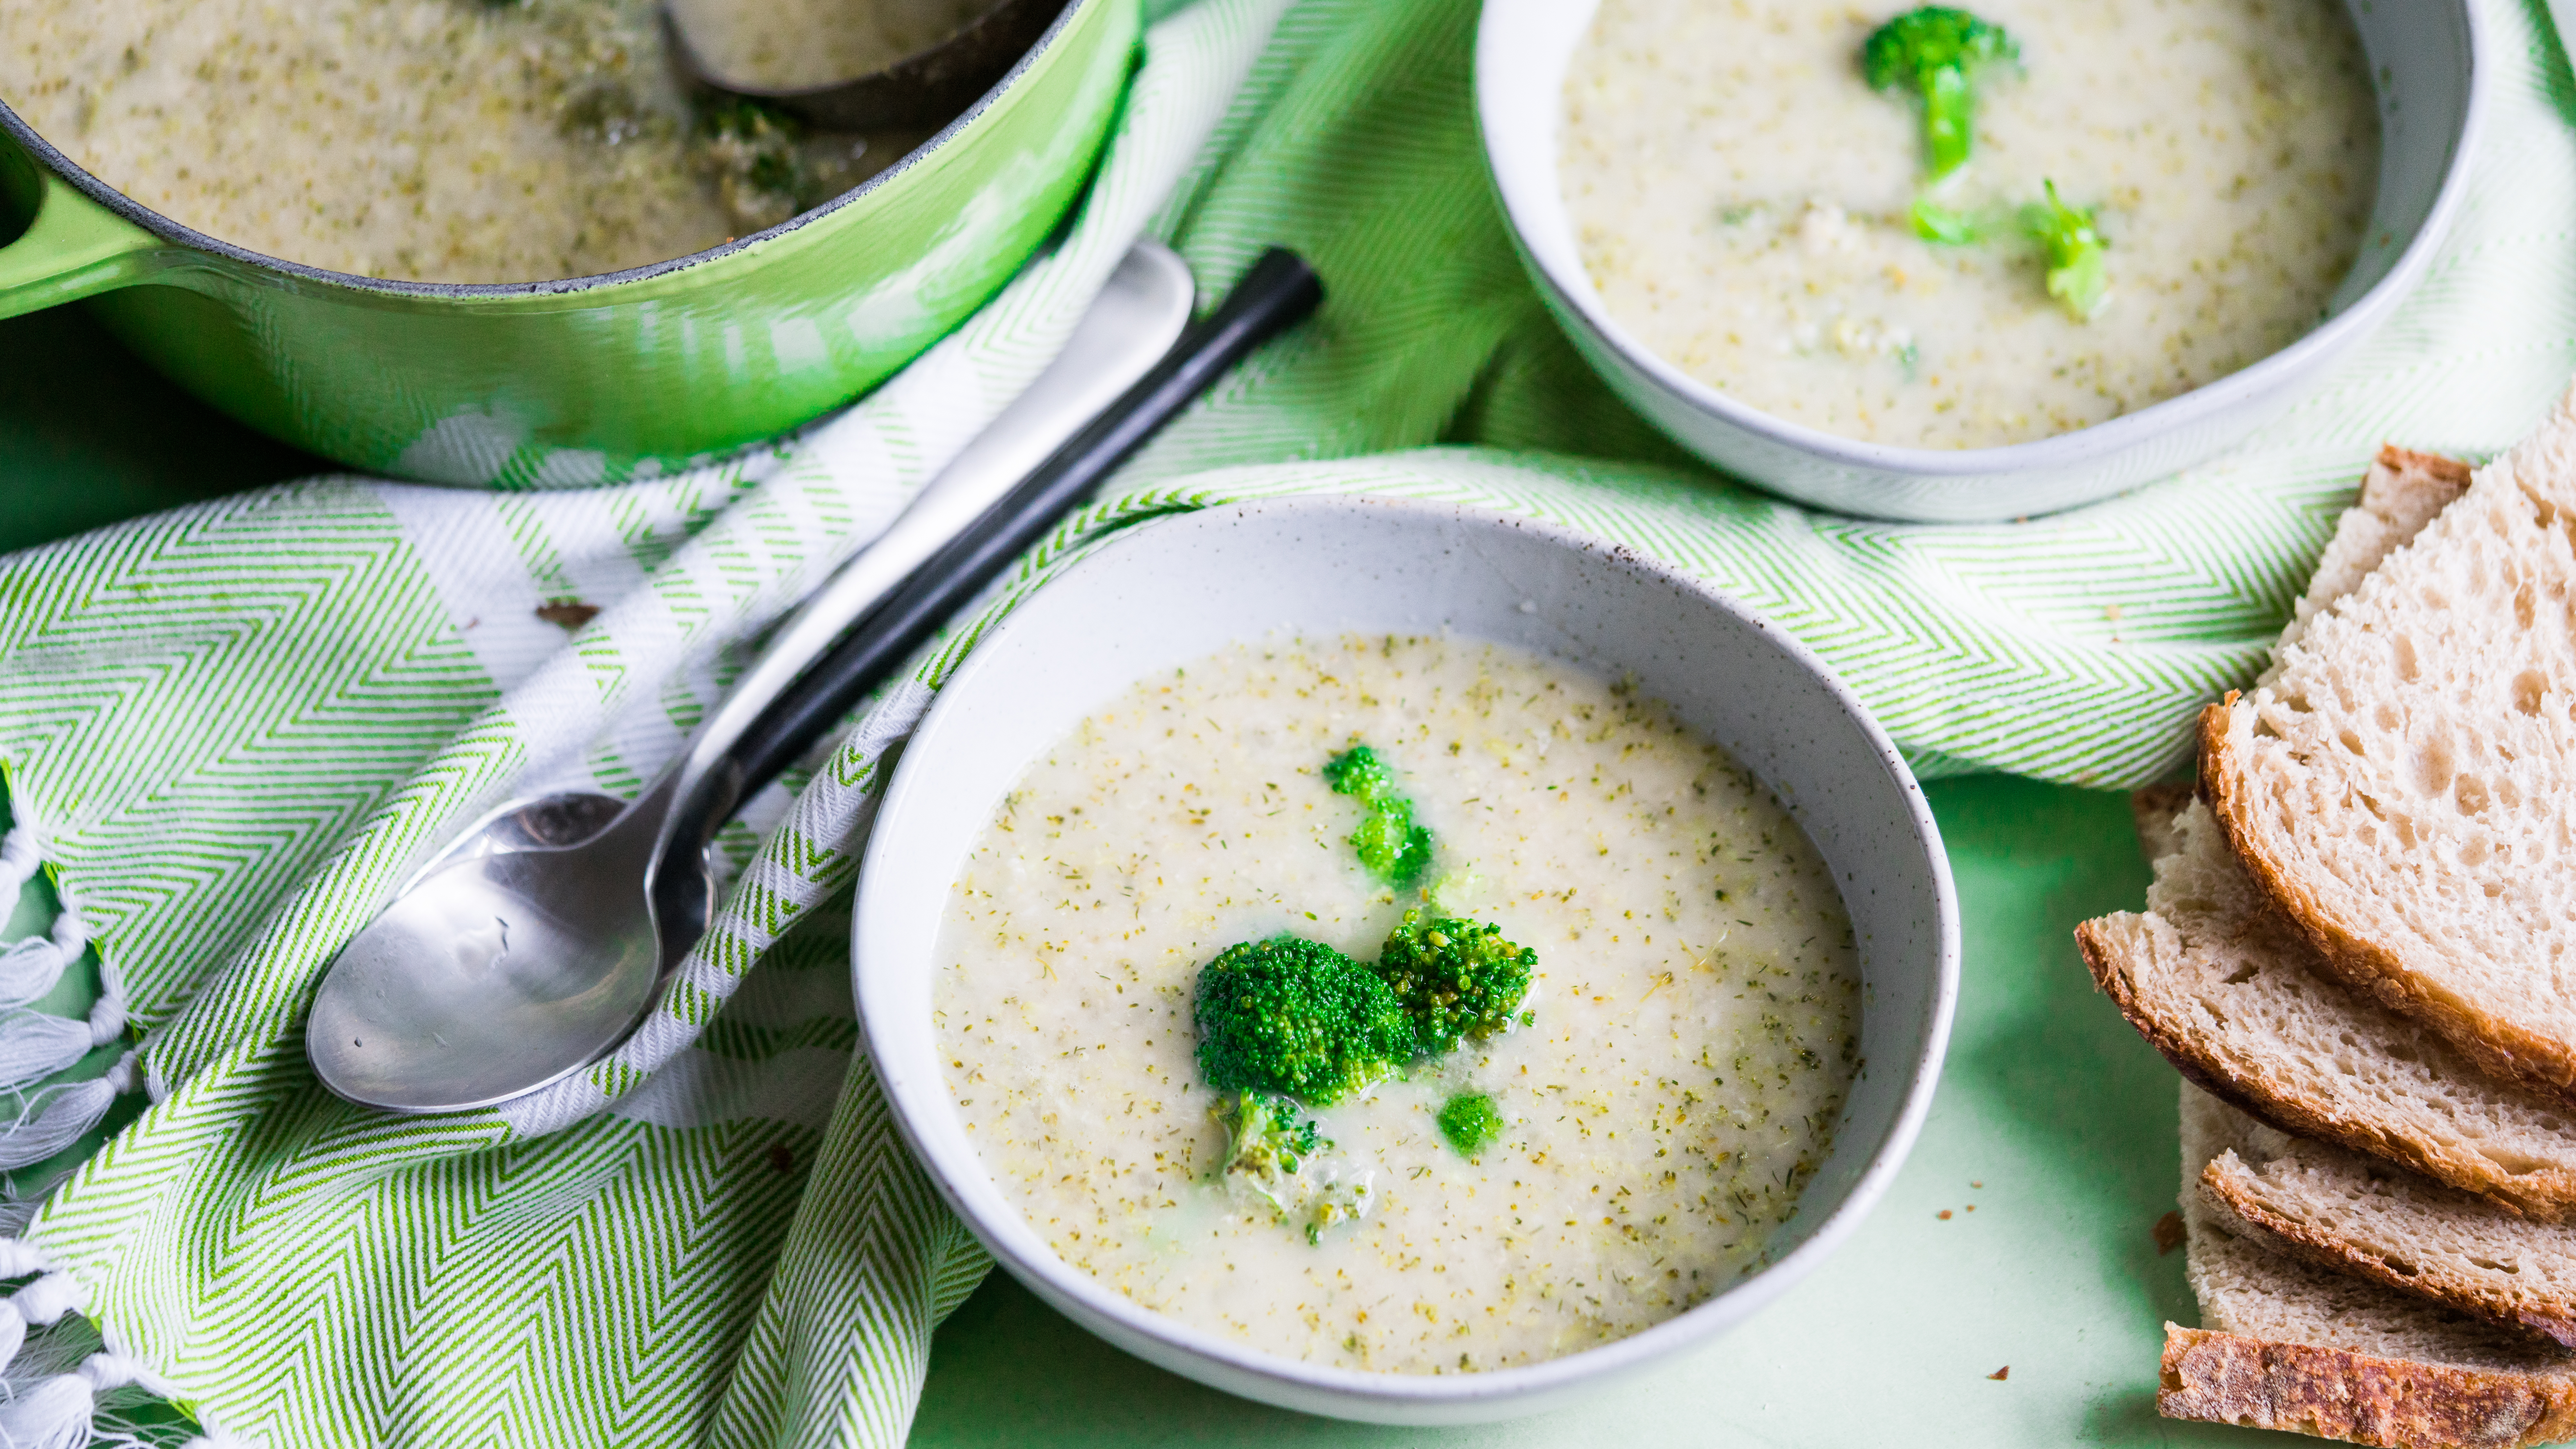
[36, 1044]
[30, 968]
[18, 862]
[57, 1413]
[42, 1302]
[55, 1117]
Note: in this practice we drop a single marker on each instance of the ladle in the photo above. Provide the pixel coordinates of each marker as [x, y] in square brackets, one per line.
[926, 88]
[535, 942]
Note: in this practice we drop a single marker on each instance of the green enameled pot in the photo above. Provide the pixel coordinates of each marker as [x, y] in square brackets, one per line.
[595, 379]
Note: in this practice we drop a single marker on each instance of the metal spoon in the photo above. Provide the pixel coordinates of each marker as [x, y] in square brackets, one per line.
[926, 88]
[534, 944]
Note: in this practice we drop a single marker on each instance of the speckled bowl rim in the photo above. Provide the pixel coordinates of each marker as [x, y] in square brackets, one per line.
[927, 1119]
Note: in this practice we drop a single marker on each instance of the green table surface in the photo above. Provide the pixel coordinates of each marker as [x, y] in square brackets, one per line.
[2050, 1147]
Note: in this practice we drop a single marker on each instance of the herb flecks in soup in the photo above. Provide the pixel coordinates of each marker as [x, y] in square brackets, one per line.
[1872, 265]
[1620, 1144]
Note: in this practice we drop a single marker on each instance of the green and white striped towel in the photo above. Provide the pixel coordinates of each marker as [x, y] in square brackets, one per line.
[229, 729]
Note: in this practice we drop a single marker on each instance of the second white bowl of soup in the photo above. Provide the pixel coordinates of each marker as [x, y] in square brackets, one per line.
[1772, 258]
[1711, 940]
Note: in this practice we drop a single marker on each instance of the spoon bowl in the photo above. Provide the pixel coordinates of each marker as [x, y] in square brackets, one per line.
[510, 962]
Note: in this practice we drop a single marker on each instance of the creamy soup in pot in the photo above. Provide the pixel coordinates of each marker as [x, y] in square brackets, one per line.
[430, 140]
[1745, 202]
[1671, 1079]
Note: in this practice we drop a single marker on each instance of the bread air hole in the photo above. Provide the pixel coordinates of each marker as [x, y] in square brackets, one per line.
[2526, 604]
[2351, 740]
[2407, 668]
[2470, 794]
[2433, 767]
[2528, 687]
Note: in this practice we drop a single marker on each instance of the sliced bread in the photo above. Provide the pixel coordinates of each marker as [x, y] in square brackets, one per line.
[2344, 1211]
[2403, 789]
[2289, 1346]
[2237, 1001]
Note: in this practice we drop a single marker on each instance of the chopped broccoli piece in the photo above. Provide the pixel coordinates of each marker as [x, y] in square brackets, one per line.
[1936, 223]
[1470, 1123]
[1938, 52]
[2077, 275]
[1297, 1018]
[1390, 845]
[1360, 774]
[1454, 977]
[1265, 1138]
[1271, 1158]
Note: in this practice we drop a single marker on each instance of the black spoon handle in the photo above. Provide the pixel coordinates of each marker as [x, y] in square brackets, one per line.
[1278, 292]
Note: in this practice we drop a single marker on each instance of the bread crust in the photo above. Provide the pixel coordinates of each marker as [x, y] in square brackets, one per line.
[2286, 1112]
[2496, 1046]
[2331, 1393]
[2296, 1239]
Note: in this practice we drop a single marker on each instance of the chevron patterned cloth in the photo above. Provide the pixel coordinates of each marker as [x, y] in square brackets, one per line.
[229, 729]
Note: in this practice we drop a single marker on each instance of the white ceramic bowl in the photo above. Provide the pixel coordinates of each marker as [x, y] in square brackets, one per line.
[1177, 590]
[2425, 55]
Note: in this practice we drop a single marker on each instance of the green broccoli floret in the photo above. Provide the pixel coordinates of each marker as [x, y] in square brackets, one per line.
[1455, 978]
[2078, 277]
[1937, 52]
[1470, 1123]
[1390, 845]
[1297, 1018]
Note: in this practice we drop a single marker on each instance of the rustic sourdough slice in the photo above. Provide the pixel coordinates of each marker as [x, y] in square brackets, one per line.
[2288, 1346]
[2344, 1211]
[2399, 495]
[2213, 978]
[2236, 1000]
[2404, 787]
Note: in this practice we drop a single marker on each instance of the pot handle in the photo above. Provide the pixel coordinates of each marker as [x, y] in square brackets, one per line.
[74, 248]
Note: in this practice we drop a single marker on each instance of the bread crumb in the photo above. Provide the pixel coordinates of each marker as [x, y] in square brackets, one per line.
[2001, 1374]
[1972, 1207]
[1978, 1185]
[2168, 1231]
[1943, 1215]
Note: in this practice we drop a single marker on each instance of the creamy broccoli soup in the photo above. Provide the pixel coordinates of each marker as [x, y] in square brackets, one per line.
[1596, 1123]
[418, 140]
[1764, 206]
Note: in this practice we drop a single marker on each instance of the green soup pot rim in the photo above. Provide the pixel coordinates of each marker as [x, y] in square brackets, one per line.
[48, 157]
